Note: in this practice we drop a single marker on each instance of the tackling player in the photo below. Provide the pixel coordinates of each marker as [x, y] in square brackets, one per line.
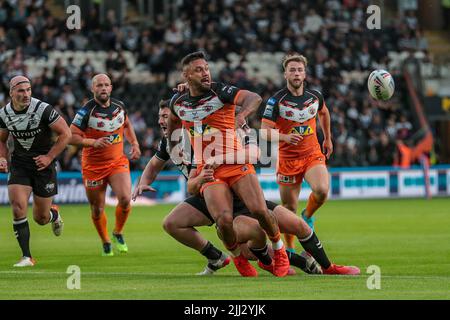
[100, 127]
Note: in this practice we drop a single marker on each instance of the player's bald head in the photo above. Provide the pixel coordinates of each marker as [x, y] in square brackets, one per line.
[100, 77]
[18, 80]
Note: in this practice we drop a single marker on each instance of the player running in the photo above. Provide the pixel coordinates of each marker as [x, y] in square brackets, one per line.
[293, 111]
[207, 112]
[99, 127]
[32, 167]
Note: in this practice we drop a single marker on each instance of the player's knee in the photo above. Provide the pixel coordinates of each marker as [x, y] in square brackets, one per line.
[225, 221]
[41, 220]
[321, 193]
[170, 225]
[96, 211]
[124, 201]
[19, 209]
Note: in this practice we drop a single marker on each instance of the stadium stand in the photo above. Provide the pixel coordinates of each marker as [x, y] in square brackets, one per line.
[245, 41]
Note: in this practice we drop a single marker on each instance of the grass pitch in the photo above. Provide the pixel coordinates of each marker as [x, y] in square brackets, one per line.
[409, 240]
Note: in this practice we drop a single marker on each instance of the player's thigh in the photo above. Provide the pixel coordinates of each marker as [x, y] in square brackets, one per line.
[318, 178]
[121, 185]
[249, 190]
[219, 201]
[18, 198]
[185, 215]
[291, 223]
[289, 196]
[41, 206]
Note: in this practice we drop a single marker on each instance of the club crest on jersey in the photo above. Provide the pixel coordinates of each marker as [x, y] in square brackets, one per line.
[100, 124]
[289, 113]
[302, 130]
[115, 138]
[312, 111]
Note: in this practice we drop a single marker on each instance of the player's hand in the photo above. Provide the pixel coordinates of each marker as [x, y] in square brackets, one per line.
[42, 161]
[135, 152]
[214, 162]
[181, 87]
[327, 147]
[241, 122]
[139, 189]
[102, 142]
[293, 139]
[3, 165]
[207, 174]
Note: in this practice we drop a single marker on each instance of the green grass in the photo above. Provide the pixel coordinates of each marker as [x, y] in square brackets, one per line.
[408, 239]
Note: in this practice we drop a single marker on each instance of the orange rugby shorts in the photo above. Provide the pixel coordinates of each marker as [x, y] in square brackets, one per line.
[96, 176]
[228, 174]
[291, 172]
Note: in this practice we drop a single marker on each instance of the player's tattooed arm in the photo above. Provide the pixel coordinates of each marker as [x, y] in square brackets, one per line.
[249, 102]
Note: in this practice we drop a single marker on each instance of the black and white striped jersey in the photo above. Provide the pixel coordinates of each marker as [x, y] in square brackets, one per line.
[30, 129]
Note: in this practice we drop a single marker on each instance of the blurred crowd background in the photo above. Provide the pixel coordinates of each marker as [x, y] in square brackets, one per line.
[140, 44]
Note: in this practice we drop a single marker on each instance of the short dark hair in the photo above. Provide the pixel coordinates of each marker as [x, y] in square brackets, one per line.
[164, 103]
[192, 56]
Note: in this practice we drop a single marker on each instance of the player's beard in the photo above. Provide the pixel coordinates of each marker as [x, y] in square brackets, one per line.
[101, 99]
[296, 84]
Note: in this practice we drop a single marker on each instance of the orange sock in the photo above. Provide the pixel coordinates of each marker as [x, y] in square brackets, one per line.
[121, 218]
[312, 205]
[290, 240]
[275, 238]
[100, 224]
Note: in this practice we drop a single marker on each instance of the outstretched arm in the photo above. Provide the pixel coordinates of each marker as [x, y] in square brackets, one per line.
[249, 102]
[151, 171]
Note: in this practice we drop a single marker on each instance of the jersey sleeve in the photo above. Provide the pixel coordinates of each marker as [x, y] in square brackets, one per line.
[50, 115]
[81, 119]
[161, 152]
[320, 97]
[226, 93]
[172, 104]
[271, 111]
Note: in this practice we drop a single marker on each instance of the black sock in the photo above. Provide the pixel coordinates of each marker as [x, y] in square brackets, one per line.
[262, 255]
[22, 233]
[296, 260]
[211, 252]
[53, 215]
[313, 246]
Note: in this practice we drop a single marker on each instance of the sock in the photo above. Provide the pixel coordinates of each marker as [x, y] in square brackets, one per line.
[313, 246]
[277, 243]
[121, 218]
[211, 252]
[22, 233]
[312, 205]
[296, 260]
[100, 224]
[262, 254]
[290, 240]
[53, 216]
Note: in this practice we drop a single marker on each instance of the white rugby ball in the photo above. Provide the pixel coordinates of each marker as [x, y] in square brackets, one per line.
[381, 85]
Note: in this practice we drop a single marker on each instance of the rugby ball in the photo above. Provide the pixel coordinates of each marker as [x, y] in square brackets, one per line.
[381, 85]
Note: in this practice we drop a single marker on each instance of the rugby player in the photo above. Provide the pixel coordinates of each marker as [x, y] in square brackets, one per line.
[207, 112]
[293, 111]
[100, 127]
[31, 123]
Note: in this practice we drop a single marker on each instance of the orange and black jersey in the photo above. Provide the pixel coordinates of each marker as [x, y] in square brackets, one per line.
[96, 122]
[209, 119]
[295, 115]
